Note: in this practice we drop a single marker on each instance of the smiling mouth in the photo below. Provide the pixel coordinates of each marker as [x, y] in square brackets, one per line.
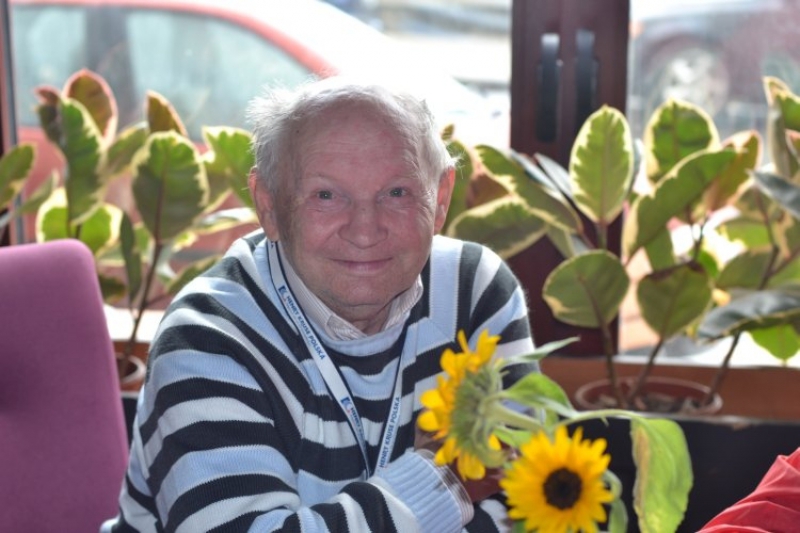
[364, 266]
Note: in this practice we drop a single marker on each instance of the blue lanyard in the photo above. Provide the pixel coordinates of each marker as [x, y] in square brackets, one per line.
[333, 380]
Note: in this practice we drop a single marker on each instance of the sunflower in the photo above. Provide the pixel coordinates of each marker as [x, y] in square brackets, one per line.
[455, 407]
[556, 486]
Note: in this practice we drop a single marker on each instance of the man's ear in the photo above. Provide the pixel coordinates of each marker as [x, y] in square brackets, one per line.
[443, 195]
[264, 204]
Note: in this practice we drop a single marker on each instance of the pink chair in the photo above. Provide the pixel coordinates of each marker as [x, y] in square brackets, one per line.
[63, 446]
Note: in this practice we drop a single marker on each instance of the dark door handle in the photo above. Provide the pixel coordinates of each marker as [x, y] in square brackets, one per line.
[585, 76]
[549, 74]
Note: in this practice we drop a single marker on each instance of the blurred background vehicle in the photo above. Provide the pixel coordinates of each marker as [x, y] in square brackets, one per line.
[210, 57]
[713, 53]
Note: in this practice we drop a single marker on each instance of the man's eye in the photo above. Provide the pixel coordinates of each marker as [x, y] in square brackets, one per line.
[397, 192]
[325, 195]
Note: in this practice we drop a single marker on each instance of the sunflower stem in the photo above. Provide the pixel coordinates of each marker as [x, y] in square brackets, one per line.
[504, 415]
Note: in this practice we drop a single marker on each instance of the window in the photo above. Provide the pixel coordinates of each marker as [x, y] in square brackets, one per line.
[49, 45]
[207, 68]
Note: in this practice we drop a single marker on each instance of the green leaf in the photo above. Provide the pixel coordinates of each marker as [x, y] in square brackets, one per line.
[101, 230]
[464, 170]
[540, 352]
[557, 175]
[744, 271]
[15, 166]
[754, 310]
[618, 514]
[781, 341]
[675, 131]
[587, 290]
[649, 214]
[747, 146]
[601, 165]
[512, 437]
[519, 527]
[780, 102]
[505, 225]
[663, 474]
[92, 91]
[660, 250]
[557, 181]
[169, 185]
[228, 163]
[121, 152]
[132, 257]
[788, 276]
[225, 219]
[51, 219]
[782, 191]
[671, 299]
[98, 232]
[81, 145]
[161, 115]
[750, 233]
[708, 260]
[189, 273]
[48, 112]
[39, 195]
[112, 289]
[567, 243]
[540, 200]
[532, 388]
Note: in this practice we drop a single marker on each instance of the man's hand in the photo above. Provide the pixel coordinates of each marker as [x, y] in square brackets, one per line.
[477, 489]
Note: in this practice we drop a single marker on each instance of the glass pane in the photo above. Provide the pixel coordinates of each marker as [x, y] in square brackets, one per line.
[713, 53]
[207, 68]
[49, 45]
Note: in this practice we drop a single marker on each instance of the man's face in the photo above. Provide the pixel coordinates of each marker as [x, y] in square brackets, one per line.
[357, 226]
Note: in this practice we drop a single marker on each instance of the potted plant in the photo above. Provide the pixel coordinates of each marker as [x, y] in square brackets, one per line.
[689, 180]
[689, 185]
[15, 168]
[140, 197]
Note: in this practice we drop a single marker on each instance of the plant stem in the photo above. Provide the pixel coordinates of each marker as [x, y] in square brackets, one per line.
[651, 358]
[769, 271]
[145, 290]
[721, 372]
[608, 348]
[513, 418]
[611, 368]
[602, 235]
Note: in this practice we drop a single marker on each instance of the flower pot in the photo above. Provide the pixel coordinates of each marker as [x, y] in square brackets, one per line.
[131, 372]
[657, 395]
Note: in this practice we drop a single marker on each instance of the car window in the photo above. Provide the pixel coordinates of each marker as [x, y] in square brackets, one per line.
[208, 69]
[49, 46]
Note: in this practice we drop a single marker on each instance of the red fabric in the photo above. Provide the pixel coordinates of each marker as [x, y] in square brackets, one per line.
[773, 507]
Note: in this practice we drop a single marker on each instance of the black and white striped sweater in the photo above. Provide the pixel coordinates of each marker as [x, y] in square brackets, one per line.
[236, 430]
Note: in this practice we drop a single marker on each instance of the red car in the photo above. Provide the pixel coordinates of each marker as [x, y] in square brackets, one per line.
[210, 57]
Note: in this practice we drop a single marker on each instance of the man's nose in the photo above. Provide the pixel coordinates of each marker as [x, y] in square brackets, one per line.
[365, 225]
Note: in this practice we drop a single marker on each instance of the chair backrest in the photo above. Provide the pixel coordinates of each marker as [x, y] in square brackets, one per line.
[63, 448]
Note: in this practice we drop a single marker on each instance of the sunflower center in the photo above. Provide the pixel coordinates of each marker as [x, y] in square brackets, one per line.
[562, 488]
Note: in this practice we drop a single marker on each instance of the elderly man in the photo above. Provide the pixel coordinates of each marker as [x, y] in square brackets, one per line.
[284, 384]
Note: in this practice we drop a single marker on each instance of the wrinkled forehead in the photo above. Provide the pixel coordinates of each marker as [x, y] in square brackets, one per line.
[334, 118]
[354, 121]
